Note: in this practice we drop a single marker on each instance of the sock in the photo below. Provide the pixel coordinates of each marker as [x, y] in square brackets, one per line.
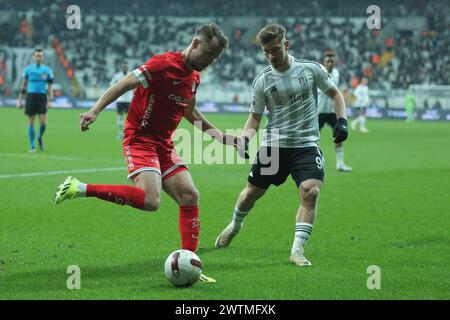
[120, 123]
[42, 130]
[302, 232]
[82, 188]
[362, 121]
[189, 225]
[238, 219]
[118, 194]
[31, 136]
[339, 156]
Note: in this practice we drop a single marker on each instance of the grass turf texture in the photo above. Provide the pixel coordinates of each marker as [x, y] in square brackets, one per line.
[392, 211]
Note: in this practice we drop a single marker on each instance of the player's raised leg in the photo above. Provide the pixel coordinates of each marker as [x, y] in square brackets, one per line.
[145, 196]
[245, 202]
[309, 194]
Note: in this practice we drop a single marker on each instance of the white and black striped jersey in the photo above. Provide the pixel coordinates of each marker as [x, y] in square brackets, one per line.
[325, 103]
[362, 96]
[127, 96]
[291, 101]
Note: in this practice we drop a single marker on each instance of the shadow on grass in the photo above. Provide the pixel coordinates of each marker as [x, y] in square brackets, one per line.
[122, 279]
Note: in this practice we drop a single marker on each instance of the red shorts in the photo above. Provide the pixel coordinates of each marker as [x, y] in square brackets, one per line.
[145, 154]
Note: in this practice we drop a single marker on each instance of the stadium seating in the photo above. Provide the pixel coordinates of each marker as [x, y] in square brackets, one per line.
[109, 34]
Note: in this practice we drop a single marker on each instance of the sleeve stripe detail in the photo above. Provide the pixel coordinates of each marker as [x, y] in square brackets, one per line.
[141, 77]
[146, 74]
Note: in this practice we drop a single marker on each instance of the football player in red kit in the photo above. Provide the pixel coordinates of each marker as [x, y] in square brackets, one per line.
[165, 92]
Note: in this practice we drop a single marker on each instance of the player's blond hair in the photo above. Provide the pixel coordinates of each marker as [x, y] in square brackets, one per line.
[210, 31]
[270, 32]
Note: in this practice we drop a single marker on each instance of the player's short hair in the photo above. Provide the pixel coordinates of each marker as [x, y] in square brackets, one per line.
[210, 31]
[328, 52]
[37, 50]
[270, 32]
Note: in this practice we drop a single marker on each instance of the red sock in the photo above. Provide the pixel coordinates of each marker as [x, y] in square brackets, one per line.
[118, 194]
[189, 227]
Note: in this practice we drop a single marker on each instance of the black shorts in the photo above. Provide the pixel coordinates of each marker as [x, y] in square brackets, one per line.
[360, 109]
[122, 107]
[327, 118]
[36, 103]
[301, 163]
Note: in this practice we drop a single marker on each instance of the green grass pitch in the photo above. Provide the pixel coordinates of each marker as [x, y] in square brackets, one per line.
[393, 211]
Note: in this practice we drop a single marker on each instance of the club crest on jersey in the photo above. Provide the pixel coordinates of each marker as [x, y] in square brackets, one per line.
[303, 81]
[44, 76]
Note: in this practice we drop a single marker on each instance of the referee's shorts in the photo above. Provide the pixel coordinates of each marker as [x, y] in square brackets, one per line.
[36, 103]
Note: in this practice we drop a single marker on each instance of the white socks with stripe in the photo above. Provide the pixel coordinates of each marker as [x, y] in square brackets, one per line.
[339, 156]
[238, 219]
[302, 232]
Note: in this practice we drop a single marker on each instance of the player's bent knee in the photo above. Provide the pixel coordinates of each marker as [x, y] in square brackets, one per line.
[152, 203]
[310, 195]
[189, 197]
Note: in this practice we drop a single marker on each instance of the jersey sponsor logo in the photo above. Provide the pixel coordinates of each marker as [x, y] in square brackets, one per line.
[299, 97]
[180, 101]
[148, 111]
[44, 76]
[128, 157]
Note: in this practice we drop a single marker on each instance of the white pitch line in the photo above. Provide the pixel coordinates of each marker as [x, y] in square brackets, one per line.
[49, 173]
[34, 156]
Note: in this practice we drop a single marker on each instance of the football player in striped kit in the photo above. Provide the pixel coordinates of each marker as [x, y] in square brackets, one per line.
[123, 102]
[288, 90]
[326, 112]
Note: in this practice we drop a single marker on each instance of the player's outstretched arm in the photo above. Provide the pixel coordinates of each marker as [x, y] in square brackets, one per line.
[252, 124]
[128, 83]
[198, 119]
[340, 131]
[250, 129]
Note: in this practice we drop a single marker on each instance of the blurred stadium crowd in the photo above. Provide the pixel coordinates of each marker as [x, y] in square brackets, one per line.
[135, 31]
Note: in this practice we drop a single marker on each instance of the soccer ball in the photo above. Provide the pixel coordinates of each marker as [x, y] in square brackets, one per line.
[183, 268]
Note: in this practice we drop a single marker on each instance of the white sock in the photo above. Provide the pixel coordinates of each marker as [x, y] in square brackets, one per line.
[362, 121]
[120, 122]
[302, 232]
[339, 156]
[238, 219]
[82, 188]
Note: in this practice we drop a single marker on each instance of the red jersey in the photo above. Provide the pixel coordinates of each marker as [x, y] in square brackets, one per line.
[158, 105]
